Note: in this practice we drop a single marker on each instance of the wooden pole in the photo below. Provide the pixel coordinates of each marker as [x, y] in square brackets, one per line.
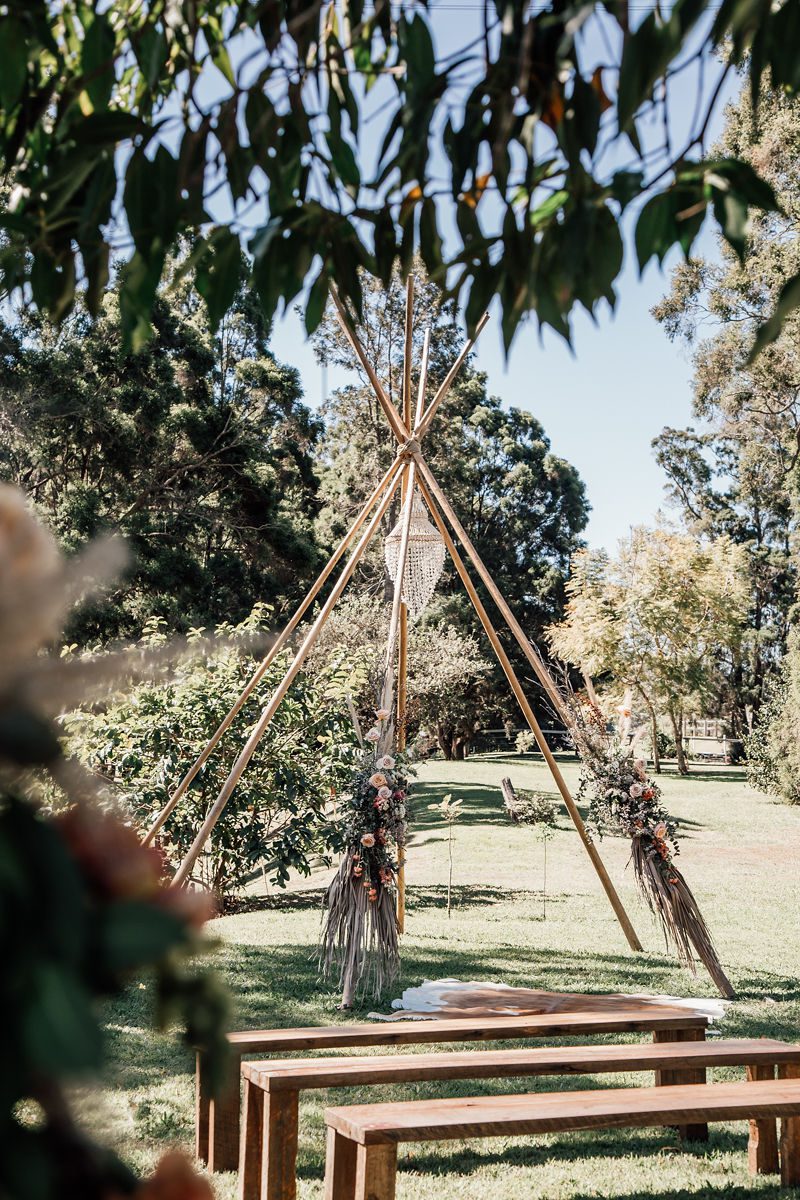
[530, 717]
[424, 425]
[532, 655]
[398, 428]
[409, 477]
[408, 352]
[267, 662]
[246, 754]
[402, 661]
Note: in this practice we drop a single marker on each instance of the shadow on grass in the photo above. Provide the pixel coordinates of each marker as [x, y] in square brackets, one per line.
[583, 1145]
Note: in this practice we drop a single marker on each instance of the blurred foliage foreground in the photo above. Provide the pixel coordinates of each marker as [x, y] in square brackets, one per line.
[82, 904]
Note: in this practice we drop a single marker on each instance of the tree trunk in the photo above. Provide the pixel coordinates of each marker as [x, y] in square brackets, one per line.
[653, 732]
[446, 742]
[654, 739]
[677, 730]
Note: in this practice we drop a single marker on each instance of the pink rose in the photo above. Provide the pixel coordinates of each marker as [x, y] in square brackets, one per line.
[368, 840]
[384, 793]
[373, 735]
[635, 790]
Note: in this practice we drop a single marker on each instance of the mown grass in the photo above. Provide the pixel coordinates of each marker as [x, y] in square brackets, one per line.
[741, 856]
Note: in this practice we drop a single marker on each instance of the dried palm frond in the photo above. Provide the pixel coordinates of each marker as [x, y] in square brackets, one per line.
[673, 904]
[359, 942]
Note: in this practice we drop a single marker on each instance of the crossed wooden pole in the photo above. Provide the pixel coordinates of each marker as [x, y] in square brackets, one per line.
[409, 470]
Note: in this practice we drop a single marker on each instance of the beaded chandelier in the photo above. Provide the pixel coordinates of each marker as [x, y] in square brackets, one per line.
[424, 560]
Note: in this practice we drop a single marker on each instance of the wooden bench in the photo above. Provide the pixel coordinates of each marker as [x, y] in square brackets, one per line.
[267, 1166]
[217, 1119]
[362, 1141]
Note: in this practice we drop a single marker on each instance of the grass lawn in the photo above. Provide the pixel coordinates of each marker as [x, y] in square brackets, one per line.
[741, 855]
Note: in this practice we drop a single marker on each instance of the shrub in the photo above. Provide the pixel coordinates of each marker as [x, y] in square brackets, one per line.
[282, 811]
[773, 748]
[525, 742]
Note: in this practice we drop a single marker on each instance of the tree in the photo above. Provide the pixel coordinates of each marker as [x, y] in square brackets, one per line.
[522, 505]
[656, 618]
[133, 123]
[279, 815]
[196, 448]
[451, 690]
[450, 687]
[773, 747]
[735, 473]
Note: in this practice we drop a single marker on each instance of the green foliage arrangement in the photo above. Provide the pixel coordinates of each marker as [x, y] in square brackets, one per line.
[514, 139]
[83, 906]
[282, 812]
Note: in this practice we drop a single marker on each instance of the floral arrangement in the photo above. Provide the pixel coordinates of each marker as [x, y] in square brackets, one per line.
[623, 799]
[359, 935]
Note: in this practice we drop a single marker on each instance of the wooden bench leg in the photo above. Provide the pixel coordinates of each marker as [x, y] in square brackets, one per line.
[762, 1147]
[202, 1100]
[340, 1167]
[376, 1172]
[279, 1171]
[790, 1135]
[251, 1151]
[224, 1125]
[690, 1133]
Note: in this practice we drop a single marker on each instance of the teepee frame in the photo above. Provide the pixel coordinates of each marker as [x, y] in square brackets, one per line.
[408, 470]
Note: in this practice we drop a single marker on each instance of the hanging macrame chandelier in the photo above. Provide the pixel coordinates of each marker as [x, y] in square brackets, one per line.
[424, 558]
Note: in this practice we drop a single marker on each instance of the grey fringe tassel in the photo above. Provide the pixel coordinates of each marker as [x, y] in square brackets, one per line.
[678, 913]
[359, 940]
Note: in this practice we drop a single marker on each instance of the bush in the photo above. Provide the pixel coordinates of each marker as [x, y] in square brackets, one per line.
[525, 742]
[281, 812]
[773, 748]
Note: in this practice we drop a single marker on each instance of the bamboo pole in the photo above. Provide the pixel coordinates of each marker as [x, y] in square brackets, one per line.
[278, 695]
[398, 428]
[405, 532]
[530, 717]
[402, 663]
[423, 378]
[402, 697]
[266, 663]
[408, 352]
[424, 425]
[532, 655]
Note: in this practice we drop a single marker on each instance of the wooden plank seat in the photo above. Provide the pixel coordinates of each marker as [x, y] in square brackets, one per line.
[362, 1140]
[272, 1089]
[217, 1118]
